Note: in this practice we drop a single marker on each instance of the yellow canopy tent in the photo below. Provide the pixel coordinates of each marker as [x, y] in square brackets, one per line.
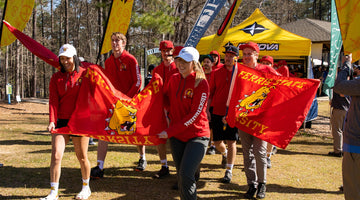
[272, 40]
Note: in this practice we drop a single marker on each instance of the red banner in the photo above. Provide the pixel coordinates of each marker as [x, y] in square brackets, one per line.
[270, 107]
[104, 113]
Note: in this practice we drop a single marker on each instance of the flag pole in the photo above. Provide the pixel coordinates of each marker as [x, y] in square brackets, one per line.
[103, 37]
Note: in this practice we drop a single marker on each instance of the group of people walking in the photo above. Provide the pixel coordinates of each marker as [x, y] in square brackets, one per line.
[195, 99]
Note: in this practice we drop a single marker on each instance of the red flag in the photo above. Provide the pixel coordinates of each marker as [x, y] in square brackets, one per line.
[104, 113]
[270, 107]
[35, 47]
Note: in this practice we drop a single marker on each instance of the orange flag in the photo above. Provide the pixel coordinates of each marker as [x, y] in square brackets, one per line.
[106, 114]
[17, 13]
[118, 21]
[349, 18]
[270, 107]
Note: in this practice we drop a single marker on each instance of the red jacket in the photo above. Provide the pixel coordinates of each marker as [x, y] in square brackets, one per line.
[64, 89]
[284, 71]
[124, 73]
[266, 69]
[217, 65]
[187, 107]
[165, 72]
[219, 90]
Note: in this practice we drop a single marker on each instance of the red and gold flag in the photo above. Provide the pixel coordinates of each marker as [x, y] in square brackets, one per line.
[270, 107]
[17, 12]
[105, 113]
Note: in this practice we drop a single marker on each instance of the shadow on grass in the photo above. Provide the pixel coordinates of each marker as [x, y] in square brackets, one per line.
[126, 182]
[23, 142]
[229, 188]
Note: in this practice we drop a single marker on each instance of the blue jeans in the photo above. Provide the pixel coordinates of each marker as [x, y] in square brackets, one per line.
[187, 157]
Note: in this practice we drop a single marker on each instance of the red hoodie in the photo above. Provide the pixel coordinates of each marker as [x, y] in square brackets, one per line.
[187, 107]
[218, 64]
[124, 73]
[64, 89]
[165, 71]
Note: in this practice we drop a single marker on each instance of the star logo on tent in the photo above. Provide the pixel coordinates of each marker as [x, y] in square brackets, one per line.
[254, 29]
[228, 44]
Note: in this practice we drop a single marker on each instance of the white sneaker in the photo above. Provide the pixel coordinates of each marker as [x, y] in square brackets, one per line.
[84, 194]
[50, 197]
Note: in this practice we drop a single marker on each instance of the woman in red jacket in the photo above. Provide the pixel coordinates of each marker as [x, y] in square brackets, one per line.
[64, 89]
[186, 95]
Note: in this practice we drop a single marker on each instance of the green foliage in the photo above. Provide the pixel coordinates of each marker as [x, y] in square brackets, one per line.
[153, 59]
[156, 17]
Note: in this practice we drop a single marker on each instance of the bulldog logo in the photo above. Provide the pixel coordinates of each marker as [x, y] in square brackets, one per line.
[253, 101]
[123, 120]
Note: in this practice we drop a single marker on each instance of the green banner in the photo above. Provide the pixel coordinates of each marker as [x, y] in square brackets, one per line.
[335, 48]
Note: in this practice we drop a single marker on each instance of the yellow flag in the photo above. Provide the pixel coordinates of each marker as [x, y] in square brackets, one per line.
[17, 13]
[221, 33]
[118, 21]
[349, 18]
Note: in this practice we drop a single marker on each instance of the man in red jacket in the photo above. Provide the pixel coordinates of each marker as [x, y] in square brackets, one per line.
[166, 68]
[254, 149]
[123, 71]
[219, 90]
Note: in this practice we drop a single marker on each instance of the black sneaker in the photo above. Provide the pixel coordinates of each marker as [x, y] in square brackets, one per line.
[261, 191]
[332, 153]
[164, 172]
[91, 142]
[224, 162]
[227, 177]
[96, 173]
[251, 192]
[175, 186]
[268, 162]
[274, 150]
[211, 150]
[141, 165]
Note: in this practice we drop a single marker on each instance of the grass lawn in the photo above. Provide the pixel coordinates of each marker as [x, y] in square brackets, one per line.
[302, 171]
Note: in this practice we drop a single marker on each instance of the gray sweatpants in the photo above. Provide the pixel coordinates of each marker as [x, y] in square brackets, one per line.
[187, 157]
[351, 175]
[254, 152]
[337, 122]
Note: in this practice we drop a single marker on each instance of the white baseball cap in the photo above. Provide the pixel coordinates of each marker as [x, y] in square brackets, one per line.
[189, 54]
[67, 50]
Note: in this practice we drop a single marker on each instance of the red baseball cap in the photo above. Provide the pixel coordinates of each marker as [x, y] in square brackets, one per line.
[177, 50]
[166, 44]
[214, 52]
[251, 45]
[282, 62]
[267, 58]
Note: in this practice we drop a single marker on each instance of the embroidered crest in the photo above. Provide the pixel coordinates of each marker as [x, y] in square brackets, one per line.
[188, 93]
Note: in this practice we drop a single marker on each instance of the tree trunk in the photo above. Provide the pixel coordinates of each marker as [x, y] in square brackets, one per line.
[22, 72]
[17, 66]
[43, 64]
[66, 8]
[101, 29]
[52, 43]
[34, 63]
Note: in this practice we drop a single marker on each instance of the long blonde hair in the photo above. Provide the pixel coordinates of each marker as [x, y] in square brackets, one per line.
[200, 74]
